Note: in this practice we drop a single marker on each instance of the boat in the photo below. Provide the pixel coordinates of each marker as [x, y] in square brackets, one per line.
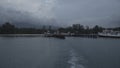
[58, 36]
[55, 36]
[109, 34]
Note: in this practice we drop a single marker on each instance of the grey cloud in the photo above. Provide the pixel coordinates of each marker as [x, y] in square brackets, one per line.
[62, 12]
[30, 11]
[88, 11]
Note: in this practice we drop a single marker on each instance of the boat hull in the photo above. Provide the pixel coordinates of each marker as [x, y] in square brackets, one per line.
[59, 36]
[56, 36]
[109, 36]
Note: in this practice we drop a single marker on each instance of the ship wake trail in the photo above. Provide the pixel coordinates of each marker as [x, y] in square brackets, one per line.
[76, 61]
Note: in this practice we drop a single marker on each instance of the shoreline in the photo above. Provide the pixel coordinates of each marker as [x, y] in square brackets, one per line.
[21, 35]
[43, 35]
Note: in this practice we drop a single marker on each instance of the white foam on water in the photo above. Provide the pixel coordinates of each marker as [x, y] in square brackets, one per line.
[74, 60]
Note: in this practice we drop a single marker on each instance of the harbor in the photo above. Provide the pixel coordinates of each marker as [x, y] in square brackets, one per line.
[62, 36]
[76, 30]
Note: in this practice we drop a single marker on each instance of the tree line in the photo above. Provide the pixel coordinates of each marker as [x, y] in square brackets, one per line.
[9, 28]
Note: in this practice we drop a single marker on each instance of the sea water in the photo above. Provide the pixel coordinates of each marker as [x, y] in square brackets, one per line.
[72, 52]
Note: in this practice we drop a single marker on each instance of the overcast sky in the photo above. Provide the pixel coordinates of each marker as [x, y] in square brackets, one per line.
[62, 12]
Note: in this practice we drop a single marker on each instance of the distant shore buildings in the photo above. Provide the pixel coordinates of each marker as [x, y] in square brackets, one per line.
[75, 29]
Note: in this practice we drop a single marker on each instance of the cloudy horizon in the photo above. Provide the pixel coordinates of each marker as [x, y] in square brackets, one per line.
[62, 12]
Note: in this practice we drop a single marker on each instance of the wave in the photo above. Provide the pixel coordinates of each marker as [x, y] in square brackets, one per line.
[76, 61]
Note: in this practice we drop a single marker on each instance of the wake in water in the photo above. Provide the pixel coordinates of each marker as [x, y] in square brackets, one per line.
[76, 61]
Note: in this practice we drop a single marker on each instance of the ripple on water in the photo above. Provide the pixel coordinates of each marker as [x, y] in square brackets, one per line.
[76, 61]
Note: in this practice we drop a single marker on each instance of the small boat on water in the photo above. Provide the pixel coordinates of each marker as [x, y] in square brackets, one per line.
[109, 34]
[58, 36]
[55, 35]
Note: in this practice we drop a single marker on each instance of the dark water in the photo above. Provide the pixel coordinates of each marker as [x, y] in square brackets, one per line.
[40, 52]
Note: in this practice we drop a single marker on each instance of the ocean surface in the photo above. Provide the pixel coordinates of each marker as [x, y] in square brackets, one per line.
[72, 52]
